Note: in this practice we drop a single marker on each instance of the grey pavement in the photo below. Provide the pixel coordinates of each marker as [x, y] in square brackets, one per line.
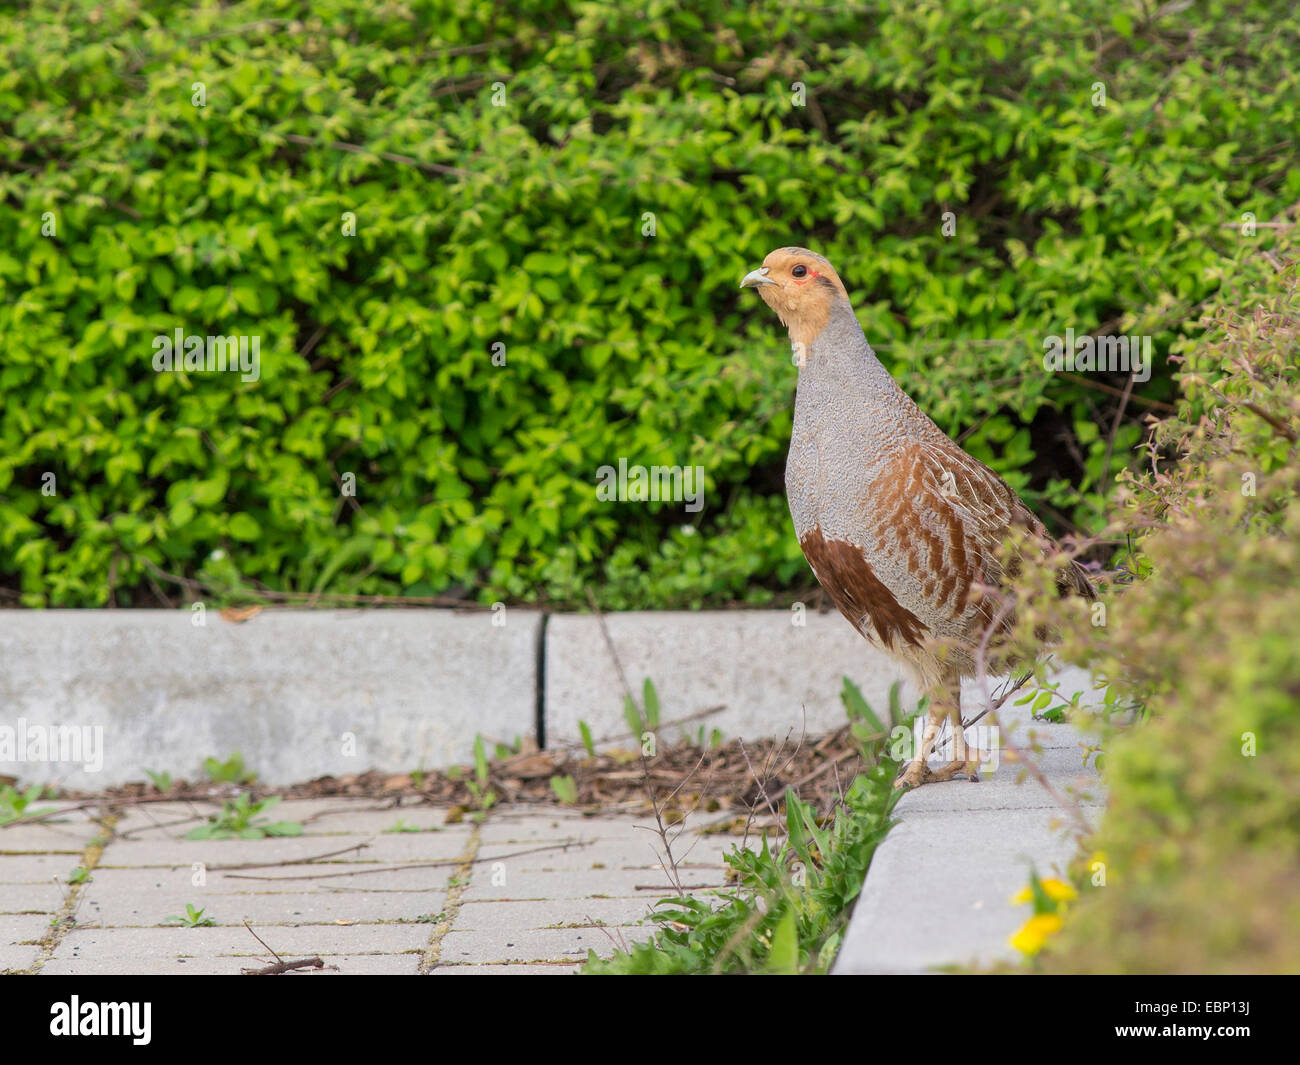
[527, 889]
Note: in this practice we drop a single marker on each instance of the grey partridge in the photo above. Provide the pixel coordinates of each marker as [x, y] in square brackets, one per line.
[901, 527]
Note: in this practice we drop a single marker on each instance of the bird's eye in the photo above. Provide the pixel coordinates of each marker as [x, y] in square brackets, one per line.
[799, 271]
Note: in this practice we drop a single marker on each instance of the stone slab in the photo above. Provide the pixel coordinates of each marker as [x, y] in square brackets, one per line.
[286, 688]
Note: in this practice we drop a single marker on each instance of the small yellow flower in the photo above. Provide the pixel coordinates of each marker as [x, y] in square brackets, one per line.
[1055, 889]
[1059, 890]
[1031, 937]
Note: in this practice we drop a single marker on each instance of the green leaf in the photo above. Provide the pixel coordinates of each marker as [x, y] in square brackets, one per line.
[783, 957]
[650, 698]
[633, 717]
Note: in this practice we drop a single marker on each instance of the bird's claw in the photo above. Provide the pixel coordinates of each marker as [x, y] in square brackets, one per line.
[916, 774]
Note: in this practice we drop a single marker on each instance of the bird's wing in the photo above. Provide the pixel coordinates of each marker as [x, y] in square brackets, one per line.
[947, 515]
[935, 519]
[928, 537]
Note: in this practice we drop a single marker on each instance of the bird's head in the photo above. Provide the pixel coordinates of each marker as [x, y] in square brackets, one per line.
[802, 287]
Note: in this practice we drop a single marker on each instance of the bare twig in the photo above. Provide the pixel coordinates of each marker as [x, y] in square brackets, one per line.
[263, 942]
[288, 966]
[422, 865]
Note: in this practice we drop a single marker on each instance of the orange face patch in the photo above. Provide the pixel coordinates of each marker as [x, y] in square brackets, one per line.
[805, 287]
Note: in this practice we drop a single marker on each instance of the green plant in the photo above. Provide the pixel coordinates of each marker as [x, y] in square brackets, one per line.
[162, 782]
[484, 797]
[192, 918]
[565, 789]
[241, 818]
[713, 739]
[1040, 703]
[15, 805]
[80, 875]
[1051, 900]
[865, 726]
[231, 771]
[1192, 868]
[588, 744]
[791, 903]
[644, 718]
[506, 750]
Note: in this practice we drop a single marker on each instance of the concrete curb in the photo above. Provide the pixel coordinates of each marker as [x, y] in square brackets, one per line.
[301, 693]
[938, 893]
[304, 694]
[774, 671]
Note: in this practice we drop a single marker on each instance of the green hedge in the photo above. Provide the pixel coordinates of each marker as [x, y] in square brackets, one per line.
[522, 225]
[1193, 868]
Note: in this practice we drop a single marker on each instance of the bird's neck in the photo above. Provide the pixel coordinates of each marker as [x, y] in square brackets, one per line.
[840, 376]
[839, 357]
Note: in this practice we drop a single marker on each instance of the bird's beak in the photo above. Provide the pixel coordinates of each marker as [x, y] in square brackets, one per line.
[755, 278]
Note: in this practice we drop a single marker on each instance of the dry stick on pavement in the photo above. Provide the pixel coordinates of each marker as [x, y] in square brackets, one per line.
[422, 865]
[263, 942]
[293, 861]
[281, 966]
[289, 966]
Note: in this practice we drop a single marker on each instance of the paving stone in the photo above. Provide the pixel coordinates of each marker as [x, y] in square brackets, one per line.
[65, 837]
[548, 909]
[531, 828]
[366, 965]
[112, 908]
[145, 965]
[608, 883]
[502, 947]
[35, 868]
[14, 958]
[505, 970]
[623, 855]
[407, 847]
[345, 965]
[1011, 787]
[432, 820]
[16, 929]
[547, 913]
[771, 675]
[27, 898]
[236, 941]
[408, 876]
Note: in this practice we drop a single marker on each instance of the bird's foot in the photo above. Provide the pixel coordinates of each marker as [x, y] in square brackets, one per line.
[970, 768]
[916, 774]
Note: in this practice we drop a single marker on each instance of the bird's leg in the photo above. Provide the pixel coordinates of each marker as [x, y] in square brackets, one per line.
[917, 772]
[964, 759]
